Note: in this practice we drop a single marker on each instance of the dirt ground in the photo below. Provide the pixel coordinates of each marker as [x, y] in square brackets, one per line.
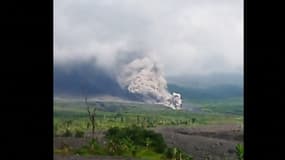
[75, 157]
[211, 142]
[76, 143]
[214, 142]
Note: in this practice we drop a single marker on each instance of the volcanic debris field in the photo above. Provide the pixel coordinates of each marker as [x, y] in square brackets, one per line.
[203, 130]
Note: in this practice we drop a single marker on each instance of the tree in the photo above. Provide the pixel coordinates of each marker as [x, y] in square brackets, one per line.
[193, 120]
[87, 125]
[91, 114]
[67, 124]
[138, 119]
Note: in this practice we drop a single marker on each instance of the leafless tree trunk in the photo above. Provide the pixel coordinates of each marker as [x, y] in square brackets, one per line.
[91, 113]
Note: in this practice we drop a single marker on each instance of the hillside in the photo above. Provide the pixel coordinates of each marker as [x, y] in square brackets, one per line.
[212, 92]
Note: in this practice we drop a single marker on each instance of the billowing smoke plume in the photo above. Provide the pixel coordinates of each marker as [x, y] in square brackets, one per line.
[176, 101]
[143, 77]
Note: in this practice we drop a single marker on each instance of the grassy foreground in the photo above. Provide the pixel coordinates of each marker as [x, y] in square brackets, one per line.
[127, 127]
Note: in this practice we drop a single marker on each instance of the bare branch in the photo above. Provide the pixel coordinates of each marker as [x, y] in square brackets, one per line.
[91, 115]
[88, 108]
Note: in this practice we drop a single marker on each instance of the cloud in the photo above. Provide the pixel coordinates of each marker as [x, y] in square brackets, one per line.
[184, 36]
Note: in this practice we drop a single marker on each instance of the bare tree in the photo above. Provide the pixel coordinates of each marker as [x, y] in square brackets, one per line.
[92, 114]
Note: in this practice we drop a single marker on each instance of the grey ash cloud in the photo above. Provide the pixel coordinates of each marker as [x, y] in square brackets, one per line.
[94, 40]
[187, 36]
[85, 79]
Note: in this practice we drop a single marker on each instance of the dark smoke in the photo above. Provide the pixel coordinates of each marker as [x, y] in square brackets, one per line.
[88, 79]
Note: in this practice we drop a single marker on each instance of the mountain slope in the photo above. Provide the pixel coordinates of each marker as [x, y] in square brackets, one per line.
[213, 92]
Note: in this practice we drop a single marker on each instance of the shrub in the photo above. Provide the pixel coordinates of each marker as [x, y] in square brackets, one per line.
[176, 154]
[114, 148]
[183, 156]
[193, 120]
[239, 151]
[65, 148]
[134, 150]
[170, 153]
[93, 147]
[93, 144]
[67, 133]
[138, 137]
[79, 133]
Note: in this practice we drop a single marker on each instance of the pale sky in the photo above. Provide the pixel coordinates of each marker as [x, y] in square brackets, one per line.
[184, 36]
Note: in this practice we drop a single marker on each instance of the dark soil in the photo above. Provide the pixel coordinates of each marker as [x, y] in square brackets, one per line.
[214, 142]
[211, 142]
[76, 157]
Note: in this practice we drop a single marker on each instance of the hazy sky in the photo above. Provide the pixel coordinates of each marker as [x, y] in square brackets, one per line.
[184, 36]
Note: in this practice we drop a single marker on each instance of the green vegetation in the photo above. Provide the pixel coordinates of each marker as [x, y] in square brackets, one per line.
[240, 151]
[128, 127]
[176, 154]
[74, 116]
[137, 136]
[65, 149]
[229, 106]
[92, 148]
[79, 133]
[129, 142]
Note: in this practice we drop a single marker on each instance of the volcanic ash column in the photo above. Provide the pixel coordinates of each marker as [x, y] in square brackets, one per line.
[176, 100]
[143, 77]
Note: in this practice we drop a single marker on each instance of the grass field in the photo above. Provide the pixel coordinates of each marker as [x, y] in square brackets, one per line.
[231, 106]
[122, 115]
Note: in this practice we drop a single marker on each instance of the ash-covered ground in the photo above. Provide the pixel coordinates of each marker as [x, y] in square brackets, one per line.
[214, 142]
